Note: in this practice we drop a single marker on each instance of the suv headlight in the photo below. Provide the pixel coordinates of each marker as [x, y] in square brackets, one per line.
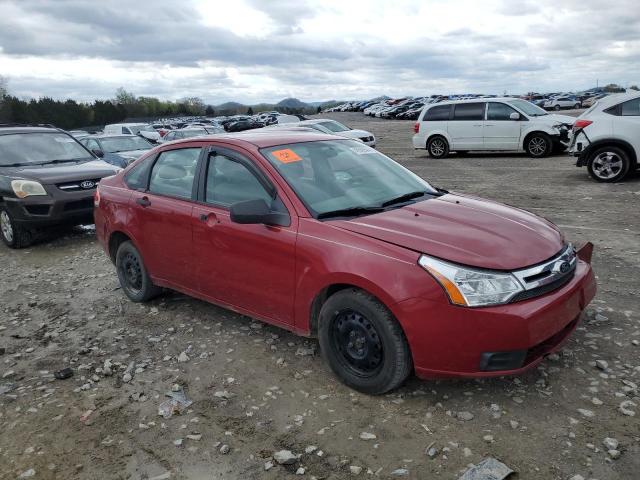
[471, 287]
[27, 188]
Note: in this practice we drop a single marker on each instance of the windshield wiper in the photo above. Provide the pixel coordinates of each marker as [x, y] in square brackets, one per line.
[62, 161]
[351, 212]
[17, 164]
[404, 198]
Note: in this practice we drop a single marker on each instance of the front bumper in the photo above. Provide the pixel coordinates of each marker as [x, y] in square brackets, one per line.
[59, 208]
[452, 341]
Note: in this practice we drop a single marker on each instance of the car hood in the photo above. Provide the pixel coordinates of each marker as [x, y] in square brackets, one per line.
[355, 133]
[554, 118]
[155, 136]
[465, 230]
[62, 172]
[130, 153]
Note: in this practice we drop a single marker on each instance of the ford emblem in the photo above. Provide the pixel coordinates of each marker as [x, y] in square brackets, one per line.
[87, 184]
[564, 267]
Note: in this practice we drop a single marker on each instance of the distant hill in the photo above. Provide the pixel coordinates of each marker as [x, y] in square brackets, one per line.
[230, 106]
[291, 103]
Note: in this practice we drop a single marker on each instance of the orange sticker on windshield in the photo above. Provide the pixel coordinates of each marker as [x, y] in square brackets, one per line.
[286, 156]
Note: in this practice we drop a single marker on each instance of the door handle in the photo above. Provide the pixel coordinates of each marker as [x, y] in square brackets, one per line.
[144, 201]
[209, 218]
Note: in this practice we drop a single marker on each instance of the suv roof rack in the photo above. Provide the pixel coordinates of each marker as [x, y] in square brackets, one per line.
[47, 125]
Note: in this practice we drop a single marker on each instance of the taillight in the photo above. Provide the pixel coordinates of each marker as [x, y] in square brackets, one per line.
[580, 124]
[416, 127]
[96, 198]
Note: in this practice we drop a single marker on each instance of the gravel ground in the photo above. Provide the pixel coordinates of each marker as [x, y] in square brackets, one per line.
[257, 390]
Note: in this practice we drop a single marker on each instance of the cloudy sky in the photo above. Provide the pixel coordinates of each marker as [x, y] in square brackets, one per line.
[265, 50]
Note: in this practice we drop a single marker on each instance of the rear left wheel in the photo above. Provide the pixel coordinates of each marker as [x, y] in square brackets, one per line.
[132, 274]
[363, 343]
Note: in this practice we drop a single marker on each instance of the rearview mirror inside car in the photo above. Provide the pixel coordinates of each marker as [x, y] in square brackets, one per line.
[97, 152]
[514, 116]
[256, 212]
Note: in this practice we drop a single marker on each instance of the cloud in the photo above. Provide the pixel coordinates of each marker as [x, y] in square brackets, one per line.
[251, 50]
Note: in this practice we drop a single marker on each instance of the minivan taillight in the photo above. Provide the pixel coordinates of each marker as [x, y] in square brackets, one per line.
[416, 127]
[580, 124]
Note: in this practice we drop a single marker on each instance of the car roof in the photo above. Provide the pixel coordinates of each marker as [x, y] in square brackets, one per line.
[106, 135]
[616, 98]
[8, 129]
[474, 100]
[264, 138]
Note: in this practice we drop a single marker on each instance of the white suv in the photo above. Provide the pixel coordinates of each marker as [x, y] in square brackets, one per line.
[562, 102]
[490, 124]
[606, 138]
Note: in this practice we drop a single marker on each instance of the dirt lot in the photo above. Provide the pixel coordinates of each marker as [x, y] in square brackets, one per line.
[257, 389]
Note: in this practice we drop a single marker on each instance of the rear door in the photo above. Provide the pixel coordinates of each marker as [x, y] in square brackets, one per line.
[247, 266]
[627, 125]
[500, 131]
[466, 126]
[162, 216]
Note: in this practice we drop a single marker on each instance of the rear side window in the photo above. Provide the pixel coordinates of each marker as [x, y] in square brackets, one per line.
[631, 108]
[469, 111]
[173, 173]
[499, 111]
[439, 112]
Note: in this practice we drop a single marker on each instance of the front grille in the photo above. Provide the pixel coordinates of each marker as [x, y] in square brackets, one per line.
[549, 287]
[79, 185]
[85, 204]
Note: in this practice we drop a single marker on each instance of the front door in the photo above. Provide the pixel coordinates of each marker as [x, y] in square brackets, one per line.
[163, 216]
[500, 131]
[251, 267]
[466, 127]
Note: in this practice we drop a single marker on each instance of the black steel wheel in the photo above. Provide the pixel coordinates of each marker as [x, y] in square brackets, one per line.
[132, 274]
[363, 343]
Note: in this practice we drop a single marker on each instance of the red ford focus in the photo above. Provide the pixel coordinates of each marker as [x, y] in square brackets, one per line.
[330, 238]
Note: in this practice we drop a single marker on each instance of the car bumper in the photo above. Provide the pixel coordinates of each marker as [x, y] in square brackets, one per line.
[65, 208]
[452, 341]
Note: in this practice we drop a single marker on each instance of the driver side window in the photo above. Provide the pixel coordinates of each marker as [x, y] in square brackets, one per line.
[229, 182]
[499, 111]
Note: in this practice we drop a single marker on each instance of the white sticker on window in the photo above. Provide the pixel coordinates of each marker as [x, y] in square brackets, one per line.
[362, 150]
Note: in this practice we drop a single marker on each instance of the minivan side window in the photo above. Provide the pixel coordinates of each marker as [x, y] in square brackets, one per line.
[499, 111]
[229, 182]
[173, 173]
[469, 111]
[439, 112]
[631, 108]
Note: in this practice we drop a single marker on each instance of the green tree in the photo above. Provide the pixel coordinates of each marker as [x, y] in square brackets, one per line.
[634, 87]
[250, 111]
[209, 111]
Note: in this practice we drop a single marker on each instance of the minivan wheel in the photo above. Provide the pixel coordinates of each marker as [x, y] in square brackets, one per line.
[132, 274]
[576, 106]
[438, 147]
[556, 108]
[13, 235]
[538, 145]
[608, 164]
[363, 343]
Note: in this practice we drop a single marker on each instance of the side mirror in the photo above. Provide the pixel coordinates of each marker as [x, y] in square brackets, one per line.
[256, 212]
[514, 116]
[97, 152]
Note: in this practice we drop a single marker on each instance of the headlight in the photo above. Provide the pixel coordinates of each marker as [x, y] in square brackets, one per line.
[470, 287]
[27, 188]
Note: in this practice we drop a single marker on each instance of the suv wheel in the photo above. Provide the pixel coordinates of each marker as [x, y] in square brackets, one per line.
[438, 147]
[363, 343]
[132, 274]
[538, 145]
[14, 236]
[576, 106]
[608, 164]
[556, 108]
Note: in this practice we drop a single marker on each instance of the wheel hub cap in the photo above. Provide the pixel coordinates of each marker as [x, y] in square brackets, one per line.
[357, 342]
[437, 147]
[607, 165]
[5, 226]
[132, 272]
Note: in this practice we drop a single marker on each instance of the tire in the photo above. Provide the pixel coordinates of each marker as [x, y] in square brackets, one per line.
[13, 235]
[608, 164]
[556, 108]
[132, 274]
[363, 343]
[538, 145]
[577, 106]
[438, 147]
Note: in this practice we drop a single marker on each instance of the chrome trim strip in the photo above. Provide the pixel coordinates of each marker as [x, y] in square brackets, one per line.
[558, 267]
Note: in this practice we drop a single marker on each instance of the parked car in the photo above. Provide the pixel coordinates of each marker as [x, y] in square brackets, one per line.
[338, 128]
[330, 238]
[47, 178]
[591, 100]
[241, 125]
[558, 103]
[118, 150]
[141, 129]
[606, 138]
[78, 134]
[191, 132]
[504, 123]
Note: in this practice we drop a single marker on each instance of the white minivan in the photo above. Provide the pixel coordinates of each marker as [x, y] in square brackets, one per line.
[143, 129]
[496, 124]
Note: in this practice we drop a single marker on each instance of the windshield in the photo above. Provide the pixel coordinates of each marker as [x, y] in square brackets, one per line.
[343, 174]
[528, 108]
[123, 144]
[35, 148]
[335, 126]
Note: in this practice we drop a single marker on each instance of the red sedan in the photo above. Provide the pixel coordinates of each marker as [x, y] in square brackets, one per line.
[330, 238]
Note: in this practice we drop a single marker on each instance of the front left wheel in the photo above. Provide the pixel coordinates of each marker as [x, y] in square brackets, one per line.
[363, 343]
[132, 274]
